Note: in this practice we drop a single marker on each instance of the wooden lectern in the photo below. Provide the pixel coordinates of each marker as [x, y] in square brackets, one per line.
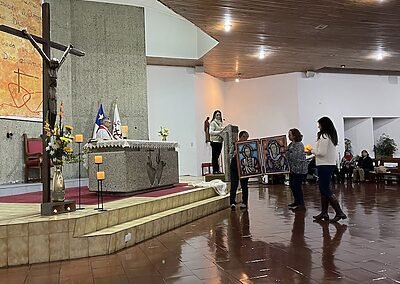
[230, 136]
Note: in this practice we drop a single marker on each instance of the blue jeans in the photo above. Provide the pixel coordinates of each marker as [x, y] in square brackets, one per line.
[325, 173]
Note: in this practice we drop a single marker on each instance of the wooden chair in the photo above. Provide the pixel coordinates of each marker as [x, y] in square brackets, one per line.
[206, 168]
[33, 151]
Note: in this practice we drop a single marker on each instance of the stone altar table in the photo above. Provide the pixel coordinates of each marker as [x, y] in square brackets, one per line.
[133, 165]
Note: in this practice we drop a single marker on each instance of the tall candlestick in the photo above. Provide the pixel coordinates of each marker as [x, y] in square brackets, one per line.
[98, 159]
[101, 175]
[79, 138]
[124, 130]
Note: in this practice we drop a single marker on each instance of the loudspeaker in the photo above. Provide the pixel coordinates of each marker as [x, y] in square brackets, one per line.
[309, 74]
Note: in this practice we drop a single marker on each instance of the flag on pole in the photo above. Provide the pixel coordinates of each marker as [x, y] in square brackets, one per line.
[99, 117]
[117, 134]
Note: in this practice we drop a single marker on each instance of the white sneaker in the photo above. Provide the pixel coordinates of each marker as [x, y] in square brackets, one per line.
[243, 206]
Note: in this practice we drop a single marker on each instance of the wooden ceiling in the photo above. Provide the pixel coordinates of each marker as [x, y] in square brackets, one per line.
[286, 29]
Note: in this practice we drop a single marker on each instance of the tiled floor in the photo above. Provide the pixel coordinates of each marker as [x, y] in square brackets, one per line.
[266, 244]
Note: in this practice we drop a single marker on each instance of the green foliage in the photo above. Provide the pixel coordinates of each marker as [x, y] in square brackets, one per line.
[385, 146]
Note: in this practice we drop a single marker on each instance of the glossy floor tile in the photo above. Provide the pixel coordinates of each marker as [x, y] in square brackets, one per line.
[269, 243]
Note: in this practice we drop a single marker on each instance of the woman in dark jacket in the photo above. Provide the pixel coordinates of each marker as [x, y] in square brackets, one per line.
[298, 167]
[364, 165]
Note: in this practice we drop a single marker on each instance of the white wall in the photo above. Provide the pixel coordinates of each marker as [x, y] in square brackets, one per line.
[265, 106]
[181, 100]
[340, 95]
[171, 104]
[360, 133]
[209, 93]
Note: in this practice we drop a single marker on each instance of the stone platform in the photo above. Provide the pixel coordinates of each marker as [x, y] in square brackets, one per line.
[26, 237]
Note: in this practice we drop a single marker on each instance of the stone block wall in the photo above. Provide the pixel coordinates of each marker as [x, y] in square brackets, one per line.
[113, 69]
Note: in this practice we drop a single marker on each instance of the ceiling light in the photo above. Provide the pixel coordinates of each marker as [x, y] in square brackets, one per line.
[227, 27]
[379, 55]
[321, 27]
[262, 54]
[342, 66]
[237, 79]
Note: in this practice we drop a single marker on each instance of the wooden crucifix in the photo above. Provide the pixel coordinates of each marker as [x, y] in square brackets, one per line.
[50, 69]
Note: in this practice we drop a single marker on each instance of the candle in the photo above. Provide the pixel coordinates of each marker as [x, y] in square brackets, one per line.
[98, 159]
[79, 138]
[124, 130]
[101, 175]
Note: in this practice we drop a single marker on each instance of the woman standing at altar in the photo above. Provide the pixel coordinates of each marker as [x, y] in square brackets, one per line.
[216, 128]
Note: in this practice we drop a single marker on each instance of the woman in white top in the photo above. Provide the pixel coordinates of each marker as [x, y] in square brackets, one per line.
[325, 157]
[216, 127]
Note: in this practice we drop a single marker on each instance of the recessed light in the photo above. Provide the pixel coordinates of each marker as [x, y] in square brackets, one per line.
[237, 79]
[227, 27]
[321, 27]
[379, 55]
[342, 66]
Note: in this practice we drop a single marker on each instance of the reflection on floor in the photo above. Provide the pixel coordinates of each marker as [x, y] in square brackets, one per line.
[266, 244]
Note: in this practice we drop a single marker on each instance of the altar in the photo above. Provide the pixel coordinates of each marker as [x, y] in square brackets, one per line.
[133, 165]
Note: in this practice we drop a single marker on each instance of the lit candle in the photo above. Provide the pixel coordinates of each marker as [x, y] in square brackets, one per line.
[124, 129]
[98, 159]
[101, 175]
[79, 138]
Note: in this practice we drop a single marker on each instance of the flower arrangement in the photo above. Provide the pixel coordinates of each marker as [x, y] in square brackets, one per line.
[163, 132]
[58, 142]
[308, 148]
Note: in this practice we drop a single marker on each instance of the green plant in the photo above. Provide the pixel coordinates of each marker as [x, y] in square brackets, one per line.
[385, 146]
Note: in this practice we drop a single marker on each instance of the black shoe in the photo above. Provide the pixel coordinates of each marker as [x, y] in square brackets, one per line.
[292, 205]
[233, 207]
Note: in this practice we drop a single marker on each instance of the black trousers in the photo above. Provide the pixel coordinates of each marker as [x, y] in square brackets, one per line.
[296, 182]
[216, 149]
[244, 183]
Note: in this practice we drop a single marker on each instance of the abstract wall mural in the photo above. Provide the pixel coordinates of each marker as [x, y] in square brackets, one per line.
[20, 64]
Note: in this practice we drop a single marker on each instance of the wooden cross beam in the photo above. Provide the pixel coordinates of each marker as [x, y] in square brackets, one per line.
[47, 44]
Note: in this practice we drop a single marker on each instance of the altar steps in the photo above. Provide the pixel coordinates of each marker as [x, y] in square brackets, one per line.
[115, 238]
[111, 231]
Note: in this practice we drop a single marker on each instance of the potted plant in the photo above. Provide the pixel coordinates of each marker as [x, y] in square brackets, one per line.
[385, 146]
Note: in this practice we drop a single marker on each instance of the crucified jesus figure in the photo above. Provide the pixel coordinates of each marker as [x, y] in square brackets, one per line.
[54, 65]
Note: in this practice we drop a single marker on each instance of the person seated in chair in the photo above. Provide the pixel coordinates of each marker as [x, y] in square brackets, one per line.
[346, 166]
[364, 165]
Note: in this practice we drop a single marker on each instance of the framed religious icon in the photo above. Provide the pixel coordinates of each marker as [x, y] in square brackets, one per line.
[274, 157]
[248, 158]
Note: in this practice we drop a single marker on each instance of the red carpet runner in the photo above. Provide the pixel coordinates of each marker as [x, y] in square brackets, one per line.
[90, 198]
